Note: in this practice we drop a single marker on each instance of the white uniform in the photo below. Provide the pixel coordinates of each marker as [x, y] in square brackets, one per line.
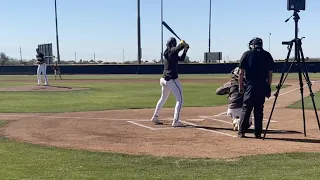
[170, 82]
[42, 68]
[174, 86]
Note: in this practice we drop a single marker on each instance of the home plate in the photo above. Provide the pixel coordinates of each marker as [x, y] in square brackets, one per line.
[195, 119]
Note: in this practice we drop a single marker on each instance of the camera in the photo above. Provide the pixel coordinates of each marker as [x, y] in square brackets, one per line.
[296, 5]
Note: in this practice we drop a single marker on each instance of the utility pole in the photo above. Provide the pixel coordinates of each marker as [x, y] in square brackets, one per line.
[57, 34]
[75, 56]
[94, 56]
[20, 55]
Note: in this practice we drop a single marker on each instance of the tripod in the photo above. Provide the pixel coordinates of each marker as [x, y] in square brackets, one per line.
[300, 61]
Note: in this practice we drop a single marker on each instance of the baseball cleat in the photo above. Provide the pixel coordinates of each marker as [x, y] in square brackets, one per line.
[258, 136]
[235, 123]
[241, 135]
[156, 120]
[177, 124]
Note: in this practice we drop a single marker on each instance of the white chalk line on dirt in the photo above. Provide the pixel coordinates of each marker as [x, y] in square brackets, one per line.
[214, 119]
[195, 125]
[208, 117]
[208, 130]
[223, 121]
[287, 92]
[148, 127]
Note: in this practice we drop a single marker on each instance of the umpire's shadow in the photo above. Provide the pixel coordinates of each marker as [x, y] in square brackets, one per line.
[312, 141]
[251, 130]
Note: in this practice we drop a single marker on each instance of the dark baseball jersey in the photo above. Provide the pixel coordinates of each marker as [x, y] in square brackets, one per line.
[257, 63]
[171, 60]
[40, 58]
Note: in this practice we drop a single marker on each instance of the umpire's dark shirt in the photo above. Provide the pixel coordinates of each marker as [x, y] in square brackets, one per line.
[170, 69]
[257, 63]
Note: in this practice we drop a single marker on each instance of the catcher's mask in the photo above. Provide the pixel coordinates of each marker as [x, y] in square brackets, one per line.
[257, 43]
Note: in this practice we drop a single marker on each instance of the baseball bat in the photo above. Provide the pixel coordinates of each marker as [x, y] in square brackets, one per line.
[169, 28]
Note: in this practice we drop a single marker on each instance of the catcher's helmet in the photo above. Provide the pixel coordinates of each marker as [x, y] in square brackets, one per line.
[235, 73]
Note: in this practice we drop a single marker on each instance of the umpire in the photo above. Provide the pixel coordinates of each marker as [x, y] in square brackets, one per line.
[256, 65]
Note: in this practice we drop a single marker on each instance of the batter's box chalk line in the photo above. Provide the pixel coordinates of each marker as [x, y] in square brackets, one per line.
[225, 115]
[188, 125]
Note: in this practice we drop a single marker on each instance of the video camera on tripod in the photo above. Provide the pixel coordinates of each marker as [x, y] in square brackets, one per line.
[296, 6]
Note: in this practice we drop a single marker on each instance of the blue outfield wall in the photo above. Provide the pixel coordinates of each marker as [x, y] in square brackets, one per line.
[313, 67]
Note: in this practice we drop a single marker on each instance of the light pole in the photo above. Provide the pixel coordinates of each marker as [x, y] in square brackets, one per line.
[161, 31]
[122, 55]
[139, 33]
[57, 34]
[269, 40]
[209, 30]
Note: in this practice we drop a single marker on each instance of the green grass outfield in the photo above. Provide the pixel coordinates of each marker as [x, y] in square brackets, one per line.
[105, 96]
[308, 102]
[25, 161]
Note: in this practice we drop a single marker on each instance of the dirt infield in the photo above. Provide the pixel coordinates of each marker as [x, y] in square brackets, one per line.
[209, 134]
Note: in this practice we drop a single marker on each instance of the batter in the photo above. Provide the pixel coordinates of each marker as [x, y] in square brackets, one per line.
[169, 82]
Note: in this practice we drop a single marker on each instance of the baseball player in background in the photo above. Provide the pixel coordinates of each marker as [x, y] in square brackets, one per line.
[170, 82]
[235, 98]
[57, 71]
[42, 68]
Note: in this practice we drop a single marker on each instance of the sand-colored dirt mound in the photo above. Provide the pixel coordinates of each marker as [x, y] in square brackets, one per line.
[41, 88]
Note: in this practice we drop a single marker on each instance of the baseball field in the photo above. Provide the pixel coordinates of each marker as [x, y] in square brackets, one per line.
[98, 127]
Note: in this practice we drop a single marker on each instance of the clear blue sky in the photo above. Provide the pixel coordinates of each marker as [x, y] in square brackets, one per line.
[108, 26]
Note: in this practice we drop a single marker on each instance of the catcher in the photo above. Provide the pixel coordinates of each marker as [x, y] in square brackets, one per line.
[56, 70]
[235, 98]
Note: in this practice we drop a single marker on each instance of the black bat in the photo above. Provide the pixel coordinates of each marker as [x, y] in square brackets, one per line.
[169, 28]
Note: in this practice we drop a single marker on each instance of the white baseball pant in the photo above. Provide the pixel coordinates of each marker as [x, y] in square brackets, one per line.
[175, 87]
[236, 114]
[42, 68]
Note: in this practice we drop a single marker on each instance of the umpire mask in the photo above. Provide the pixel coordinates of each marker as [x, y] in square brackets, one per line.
[257, 43]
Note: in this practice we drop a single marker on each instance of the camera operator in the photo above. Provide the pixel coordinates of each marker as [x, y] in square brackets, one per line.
[256, 65]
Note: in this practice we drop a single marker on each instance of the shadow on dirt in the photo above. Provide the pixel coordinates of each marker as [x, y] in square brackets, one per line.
[312, 141]
[251, 130]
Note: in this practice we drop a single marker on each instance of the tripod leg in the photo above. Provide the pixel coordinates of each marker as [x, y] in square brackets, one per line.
[297, 57]
[310, 86]
[279, 87]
